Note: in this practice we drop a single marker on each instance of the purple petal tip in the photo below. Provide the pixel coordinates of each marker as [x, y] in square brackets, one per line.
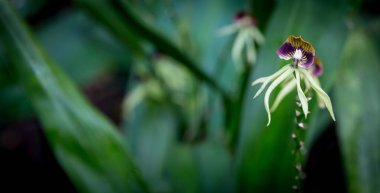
[317, 69]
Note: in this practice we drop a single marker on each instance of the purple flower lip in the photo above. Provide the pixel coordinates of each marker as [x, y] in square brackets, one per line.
[300, 51]
[243, 16]
[317, 68]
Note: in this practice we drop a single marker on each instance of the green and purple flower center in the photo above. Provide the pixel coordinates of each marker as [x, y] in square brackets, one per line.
[300, 51]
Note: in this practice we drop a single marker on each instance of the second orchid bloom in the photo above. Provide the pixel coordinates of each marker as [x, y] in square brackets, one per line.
[247, 36]
[303, 66]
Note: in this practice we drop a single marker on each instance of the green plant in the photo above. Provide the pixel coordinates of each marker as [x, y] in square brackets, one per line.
[189, 123]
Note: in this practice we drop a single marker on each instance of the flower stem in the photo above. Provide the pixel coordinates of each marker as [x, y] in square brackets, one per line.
[163, 44]
[235, 118]
[299, 149]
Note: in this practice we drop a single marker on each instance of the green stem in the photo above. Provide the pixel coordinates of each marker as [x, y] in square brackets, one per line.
[220, 64]
[103, 12]
[182, 32]
[164, 45]
[299, 147]
[234, 124]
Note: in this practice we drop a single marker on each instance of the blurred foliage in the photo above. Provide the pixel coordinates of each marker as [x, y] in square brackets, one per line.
[84, 141]
[358, 128]
[189, 123]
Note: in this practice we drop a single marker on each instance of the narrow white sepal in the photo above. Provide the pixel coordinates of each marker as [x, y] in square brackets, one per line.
[325, 98]
[268, 79]
[237, 48]
[259, 80]
[259, 38]
[289, 86]
[227, 30]
[301, 95]
[251, 51]
[321, 104]
[274, 84]
[307, 85]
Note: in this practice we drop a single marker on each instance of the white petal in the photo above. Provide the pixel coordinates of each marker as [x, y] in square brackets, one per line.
[268, 79]
[307, 85]
[325, 98]
[227, 30]
[275, 83]
[285, 57]
[237, 48]
[259, 38]
[262, 79]
[289, 86]
[301, 95]
[321, 104]
[259, 80]
[251, 51]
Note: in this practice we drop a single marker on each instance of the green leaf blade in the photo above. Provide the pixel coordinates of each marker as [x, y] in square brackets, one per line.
[357, 94]
[84, 141]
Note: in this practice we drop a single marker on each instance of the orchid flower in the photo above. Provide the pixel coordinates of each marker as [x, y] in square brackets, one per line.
[289, 85]
[303, 67]
[247, 35]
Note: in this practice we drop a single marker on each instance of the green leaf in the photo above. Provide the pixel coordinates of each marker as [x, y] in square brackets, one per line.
[264, 154]
[150, 130]
[85, 143]
[103, 12]
[183, 171]
[14, 102]
[142, 30]
[214, 167]
[87, 50]
[262, 10]
[357, 96]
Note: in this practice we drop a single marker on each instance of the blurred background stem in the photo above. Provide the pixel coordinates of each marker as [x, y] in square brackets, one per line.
[164, 45]
[235, 117]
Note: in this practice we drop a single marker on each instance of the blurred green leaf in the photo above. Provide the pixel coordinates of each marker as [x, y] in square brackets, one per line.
[204, 167]
[13, 100]
[85, 143]
[14, 103]
[150, 130]
[214, 166]
[262, 11]
[88, 49]
[183, 171]
[28, 8]
[103, 11]
[265, 152]
[211, 161]
[357, 95]
[163, 44]
[202, 38]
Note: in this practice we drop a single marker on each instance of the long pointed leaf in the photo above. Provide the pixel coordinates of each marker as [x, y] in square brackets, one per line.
[357, 100]
[84, 141]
